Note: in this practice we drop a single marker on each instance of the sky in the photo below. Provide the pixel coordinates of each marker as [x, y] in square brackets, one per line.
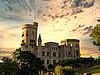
[57, 19]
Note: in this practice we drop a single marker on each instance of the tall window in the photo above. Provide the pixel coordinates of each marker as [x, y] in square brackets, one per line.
[52, 48]
[32, 41]
[69, 44]
[54, 54]
[54, 61]
[22, 41]
[43, 53]
[59, 54]
[27, 33]
[77, 45]
[43, 61]
[68, 53]
[33, 33]
[47, 53]
[77, 53]
[47, 61]
[56, 48]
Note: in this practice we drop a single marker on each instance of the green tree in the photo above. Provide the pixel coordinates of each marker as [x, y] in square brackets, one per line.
[8, 67]
[29, 63]
[67, 70]
[96, 36]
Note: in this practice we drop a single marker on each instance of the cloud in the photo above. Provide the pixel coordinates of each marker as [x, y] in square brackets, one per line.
[5, 55]
[76, 11]
[83, 30]
[89, 4]
[82, 3]
[88, 53]
[6, 52]
[55, 17]
[7, 32]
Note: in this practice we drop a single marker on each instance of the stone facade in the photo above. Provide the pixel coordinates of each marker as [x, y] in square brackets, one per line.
[51, 52]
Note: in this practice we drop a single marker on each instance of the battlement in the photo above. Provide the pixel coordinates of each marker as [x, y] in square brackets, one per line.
[34, 25]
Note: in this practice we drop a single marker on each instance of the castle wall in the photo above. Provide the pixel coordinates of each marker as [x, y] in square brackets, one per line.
[52, 52]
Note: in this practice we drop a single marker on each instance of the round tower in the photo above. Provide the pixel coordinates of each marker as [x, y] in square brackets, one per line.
[29, 37]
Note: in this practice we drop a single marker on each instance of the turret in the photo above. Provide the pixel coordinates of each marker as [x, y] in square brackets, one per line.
[39, 46]
[39, 39]
[29, 37]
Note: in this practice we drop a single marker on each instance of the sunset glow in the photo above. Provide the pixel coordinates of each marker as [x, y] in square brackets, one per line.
[57, 19]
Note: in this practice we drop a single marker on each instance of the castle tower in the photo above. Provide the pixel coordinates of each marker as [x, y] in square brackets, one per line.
[29, 37]
[39, 46]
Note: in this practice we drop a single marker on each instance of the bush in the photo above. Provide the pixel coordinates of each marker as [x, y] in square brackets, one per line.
[68, 70]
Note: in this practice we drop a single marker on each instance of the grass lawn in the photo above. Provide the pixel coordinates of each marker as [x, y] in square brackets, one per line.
[95, 70]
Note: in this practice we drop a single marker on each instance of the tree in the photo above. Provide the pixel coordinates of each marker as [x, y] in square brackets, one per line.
[96, 35]
[8, 67]
[29, 63]
[67, 70]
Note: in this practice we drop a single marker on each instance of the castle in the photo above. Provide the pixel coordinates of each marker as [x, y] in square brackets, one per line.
[51, 52]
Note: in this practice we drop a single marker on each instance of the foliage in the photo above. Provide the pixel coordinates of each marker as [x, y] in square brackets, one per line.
[96, 35]
[8, 67]
[51, 67]
[58, 70]
[22, 63]
[68, 70]
[29, 63]
[16, 54]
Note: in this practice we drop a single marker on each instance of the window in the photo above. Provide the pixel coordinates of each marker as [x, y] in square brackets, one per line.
[52, 48]
[32, 41]
[77, 45]
[68, 53]
[43, 61]
[22, 41]
[47, 53]
[54, 61]
[77, 53]
[47, 61]
[54, 54]
[69, 44]
[59, 54]
[27, 33]
[43, 53]
[56, 48]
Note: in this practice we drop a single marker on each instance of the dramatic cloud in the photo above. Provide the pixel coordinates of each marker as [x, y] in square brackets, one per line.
[67, 18]
[7, 32]
[89, 53]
